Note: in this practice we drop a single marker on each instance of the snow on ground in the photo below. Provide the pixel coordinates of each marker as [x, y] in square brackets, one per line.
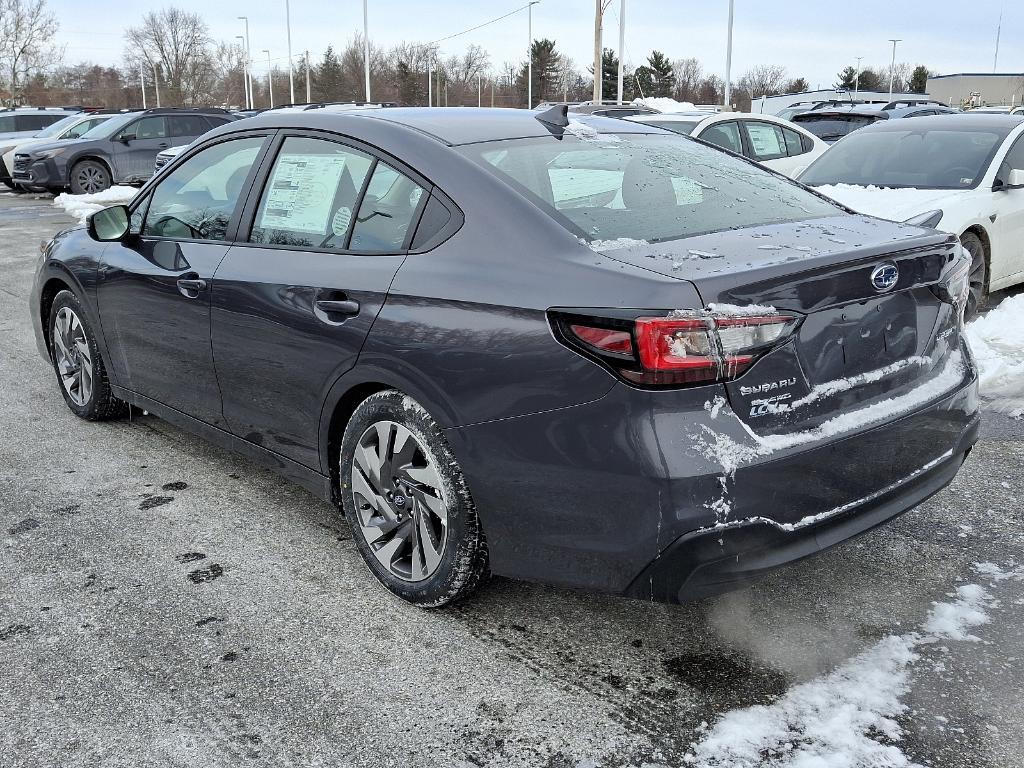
[847, 718]
[997, 340]
[80, 206]
[665, 104]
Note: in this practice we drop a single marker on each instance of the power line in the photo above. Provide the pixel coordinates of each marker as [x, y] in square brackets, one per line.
[479, 26]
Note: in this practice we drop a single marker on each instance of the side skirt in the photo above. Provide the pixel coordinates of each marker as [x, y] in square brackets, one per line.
[309, 479]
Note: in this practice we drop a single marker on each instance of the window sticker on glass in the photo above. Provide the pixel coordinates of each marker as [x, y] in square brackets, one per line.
[301, 192]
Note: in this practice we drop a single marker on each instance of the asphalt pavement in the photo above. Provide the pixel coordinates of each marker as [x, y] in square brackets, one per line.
[167, 603]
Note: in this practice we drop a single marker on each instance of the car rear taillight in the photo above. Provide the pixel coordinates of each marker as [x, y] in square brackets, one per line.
[682, 349]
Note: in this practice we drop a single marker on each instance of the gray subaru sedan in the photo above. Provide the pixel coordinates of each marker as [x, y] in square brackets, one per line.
[583, 351]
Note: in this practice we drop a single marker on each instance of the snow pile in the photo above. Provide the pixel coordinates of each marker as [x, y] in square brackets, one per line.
[665, 104]
[840, 719]
[997, 340]
[585, 132]
[745, 310]
[80, 206]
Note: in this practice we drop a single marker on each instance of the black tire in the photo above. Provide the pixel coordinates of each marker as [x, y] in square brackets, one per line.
[9, 183]
[99, 403]
[978, 295]
[89, 177]
[462, 564]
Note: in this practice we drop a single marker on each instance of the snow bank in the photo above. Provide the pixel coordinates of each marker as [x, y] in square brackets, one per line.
[997, 340]
[80, 206]
[665, 104]
[840, 719]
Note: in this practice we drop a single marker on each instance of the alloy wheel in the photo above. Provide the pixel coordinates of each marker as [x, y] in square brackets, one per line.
[977, 277]
[401, 510]
[74, 360]
[91, 179]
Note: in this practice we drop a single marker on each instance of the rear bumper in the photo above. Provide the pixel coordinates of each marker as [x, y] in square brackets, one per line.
[714, 560]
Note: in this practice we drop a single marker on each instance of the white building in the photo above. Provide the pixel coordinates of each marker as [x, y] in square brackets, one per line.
[978, 89]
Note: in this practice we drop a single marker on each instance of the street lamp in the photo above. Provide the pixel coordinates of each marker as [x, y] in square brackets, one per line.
[248, 62]
[622, 42]
[270, 78]
[366, 52]
[892, 68]
[728, 61]
[245, 72]
[529, 54]
[291, 67]
[856, 78]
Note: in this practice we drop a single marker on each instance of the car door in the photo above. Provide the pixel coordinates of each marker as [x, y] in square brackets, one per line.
[153, 289]
[1008, 243]
[292, 308]
[135, 148]
[766, 144]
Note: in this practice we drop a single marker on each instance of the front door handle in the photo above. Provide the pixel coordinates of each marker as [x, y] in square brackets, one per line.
[338, 307]
[163, 145]
[191, 287]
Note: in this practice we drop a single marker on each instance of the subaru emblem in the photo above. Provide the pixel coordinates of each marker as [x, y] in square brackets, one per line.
[884, 276]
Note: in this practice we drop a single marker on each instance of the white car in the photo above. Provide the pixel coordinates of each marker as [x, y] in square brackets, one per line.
[958, 173]
[771, 141]
[71, 127]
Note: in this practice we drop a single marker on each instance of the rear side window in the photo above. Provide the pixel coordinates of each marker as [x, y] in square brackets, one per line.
[386, 212]
[196, 200]
[644, 187]
[35, 122]
[766, 140]
[434, 219]
[215, 122]
[148, 128]
[725, 135]
[795, 142]
[82, 127]
[187, 125]
[7, 124]
[310, 197]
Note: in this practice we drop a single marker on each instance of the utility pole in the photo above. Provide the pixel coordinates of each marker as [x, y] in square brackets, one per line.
[291, 67]
[156, 83]
[892, 67]
[598, 13]
[308, 79]
[430, 84]
[248, 62]
[728, 61]
[529, 54]
[479, 92]
[366, 51]
[622, 42]
[856, 78]
[270, 78]
[492, 92]
[142, 84]
[245, 74]
[999, 32]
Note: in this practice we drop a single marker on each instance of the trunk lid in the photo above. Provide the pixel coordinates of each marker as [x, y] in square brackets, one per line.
[857, 344]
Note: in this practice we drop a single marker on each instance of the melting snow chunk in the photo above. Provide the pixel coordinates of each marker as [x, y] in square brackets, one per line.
[81, 206]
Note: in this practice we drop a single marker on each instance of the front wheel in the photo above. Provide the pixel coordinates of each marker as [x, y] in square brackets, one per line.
[978, 293]
[89, 177]
[81, 373]
[411, 513]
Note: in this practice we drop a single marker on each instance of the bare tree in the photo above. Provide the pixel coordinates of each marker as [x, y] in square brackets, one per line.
[689, 74]
[26, 29]
[764, 80]
[177, 44]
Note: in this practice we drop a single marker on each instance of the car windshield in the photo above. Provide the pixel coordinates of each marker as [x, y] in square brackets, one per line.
[684, 127]
[831, 127]
[606, 187]
[55, 128]
[947, 158]
[109, 127]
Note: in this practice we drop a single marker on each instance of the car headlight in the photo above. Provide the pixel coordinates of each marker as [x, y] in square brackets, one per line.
[47, 153]
[929, 220]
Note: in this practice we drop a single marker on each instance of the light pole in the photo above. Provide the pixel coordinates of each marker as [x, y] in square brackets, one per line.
[728, 60]
[291, 68]
[308, 79]
[248, 62]
[366, 51]
[598, 53]
[856, 78]
[156, 83]
[622, 41]
[270, 78]
[479, 91]
[529, 54]
[245, 72]
[892, 67]
[142, 84]
[430, 84]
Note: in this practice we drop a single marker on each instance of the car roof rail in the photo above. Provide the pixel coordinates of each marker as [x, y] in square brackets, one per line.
[174, 110]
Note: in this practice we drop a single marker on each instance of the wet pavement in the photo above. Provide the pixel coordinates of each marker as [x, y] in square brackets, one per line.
[166, 603]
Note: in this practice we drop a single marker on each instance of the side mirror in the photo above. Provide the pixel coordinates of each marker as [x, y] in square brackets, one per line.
[124, 138]
[1016, 179]
[110, 224]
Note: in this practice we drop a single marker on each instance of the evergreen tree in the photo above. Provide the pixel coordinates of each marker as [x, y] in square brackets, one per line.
[609, 74]
[662, 75]
[328, 77]
[847, 78]
[547, 72]
[919, 79]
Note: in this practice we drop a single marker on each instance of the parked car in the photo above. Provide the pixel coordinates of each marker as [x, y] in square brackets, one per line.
[606, 108]
[446, 322]
[958, 173]
[164, 156]
[25, 122]
[71, 127]
[834, 123]
[991, 110]
[118, 151]
[766, 139]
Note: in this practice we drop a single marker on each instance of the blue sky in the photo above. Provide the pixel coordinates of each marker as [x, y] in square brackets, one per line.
[811, 38]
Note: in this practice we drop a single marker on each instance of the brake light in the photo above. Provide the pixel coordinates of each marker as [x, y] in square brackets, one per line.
[684, 348]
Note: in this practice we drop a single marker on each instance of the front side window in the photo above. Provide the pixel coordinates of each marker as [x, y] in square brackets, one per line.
[1014, 160]
[725, 135]
[196, 200]
[766, 140]
[652, 187]
[310, 198]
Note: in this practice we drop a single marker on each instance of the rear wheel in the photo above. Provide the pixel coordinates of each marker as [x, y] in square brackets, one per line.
[88, 177]
[9, 184]
[405, 497]
[978, 293]
[81, 373]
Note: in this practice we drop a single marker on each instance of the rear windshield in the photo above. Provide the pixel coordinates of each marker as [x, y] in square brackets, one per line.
[684, 127]
[644, 187]
[951, 158]
[831, 127]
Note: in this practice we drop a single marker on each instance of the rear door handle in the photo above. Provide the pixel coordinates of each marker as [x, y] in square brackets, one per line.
[190, 287]
[338, 307]
[163, 145]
